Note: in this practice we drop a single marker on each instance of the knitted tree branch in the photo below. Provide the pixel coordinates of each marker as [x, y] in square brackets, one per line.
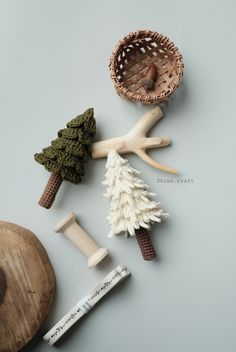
[66, 156]
[132, 209]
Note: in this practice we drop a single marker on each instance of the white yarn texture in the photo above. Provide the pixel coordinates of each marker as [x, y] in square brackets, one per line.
[131, 204]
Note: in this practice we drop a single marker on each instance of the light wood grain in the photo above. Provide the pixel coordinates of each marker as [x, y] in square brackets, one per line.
[136, 141]
[30, 284]
[70, 227]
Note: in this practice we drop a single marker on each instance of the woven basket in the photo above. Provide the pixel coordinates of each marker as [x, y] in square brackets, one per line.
[130, 59]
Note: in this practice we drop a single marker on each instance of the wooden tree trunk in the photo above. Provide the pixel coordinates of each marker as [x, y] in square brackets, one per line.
[49, 194]
[145, 244]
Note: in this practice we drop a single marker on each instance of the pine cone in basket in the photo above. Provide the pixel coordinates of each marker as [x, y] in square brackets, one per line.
[151, 77]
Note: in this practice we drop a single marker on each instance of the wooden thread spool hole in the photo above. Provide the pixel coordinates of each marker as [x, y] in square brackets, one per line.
[3, 286]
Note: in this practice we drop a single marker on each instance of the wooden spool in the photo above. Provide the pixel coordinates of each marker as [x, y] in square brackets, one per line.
[27, 284]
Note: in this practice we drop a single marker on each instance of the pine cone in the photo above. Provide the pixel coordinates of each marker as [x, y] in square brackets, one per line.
[151, 77]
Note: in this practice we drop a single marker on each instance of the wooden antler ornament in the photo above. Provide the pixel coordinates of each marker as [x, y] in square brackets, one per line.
[136, 141]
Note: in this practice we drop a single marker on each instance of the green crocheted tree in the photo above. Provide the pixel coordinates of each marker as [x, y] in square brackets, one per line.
[66, 156]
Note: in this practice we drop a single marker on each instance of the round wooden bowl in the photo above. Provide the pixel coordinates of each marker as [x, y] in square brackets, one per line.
[131, 58]
[27, 285]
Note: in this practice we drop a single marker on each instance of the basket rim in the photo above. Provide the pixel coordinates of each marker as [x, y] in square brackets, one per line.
[140, 34]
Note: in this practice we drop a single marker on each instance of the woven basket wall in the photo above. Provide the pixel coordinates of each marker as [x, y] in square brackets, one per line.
[130, 59]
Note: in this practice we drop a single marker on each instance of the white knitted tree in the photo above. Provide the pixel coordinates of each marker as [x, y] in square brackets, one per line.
[132, 210]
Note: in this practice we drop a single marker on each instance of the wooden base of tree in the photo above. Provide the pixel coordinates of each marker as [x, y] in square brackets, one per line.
[145, 244]
[49, 194]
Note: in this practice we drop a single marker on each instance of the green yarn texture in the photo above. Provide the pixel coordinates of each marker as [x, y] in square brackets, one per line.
[68, 153]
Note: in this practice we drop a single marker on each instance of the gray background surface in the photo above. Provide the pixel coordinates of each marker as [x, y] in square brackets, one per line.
[53, 65]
